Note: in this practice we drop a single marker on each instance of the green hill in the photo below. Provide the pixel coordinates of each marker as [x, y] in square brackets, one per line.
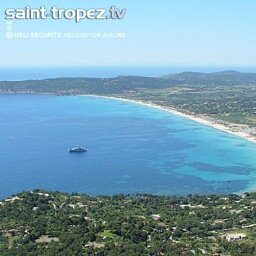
[46, 223]
[125, 83]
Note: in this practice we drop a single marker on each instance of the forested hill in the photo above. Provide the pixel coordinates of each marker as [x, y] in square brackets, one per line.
[85, 85]
[219, 78]
[126, 83]
[44, 223]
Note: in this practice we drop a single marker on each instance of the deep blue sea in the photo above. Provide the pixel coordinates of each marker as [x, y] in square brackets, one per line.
[132, 149]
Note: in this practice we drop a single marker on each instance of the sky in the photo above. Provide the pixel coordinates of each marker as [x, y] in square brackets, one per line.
[157, 33]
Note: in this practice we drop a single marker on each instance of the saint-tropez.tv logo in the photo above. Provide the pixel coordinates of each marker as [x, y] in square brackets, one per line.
[56, 13]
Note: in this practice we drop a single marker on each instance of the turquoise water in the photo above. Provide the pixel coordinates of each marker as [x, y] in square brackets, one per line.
[132, 149]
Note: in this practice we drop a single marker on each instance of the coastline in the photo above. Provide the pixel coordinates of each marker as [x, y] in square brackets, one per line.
[199, 119]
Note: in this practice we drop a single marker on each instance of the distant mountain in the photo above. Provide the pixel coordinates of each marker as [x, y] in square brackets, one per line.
[126, 83]
[228, 77]
[229, 72]
[85, 85]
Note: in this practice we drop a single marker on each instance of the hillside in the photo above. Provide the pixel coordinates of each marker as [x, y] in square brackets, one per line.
[126, 83]
[46, 223]
[84, 85]
[228, 77]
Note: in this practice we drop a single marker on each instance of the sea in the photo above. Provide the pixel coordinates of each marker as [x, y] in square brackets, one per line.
[131, 149]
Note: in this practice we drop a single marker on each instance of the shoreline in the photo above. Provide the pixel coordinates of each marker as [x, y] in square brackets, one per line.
[199, 119]
[210, 122]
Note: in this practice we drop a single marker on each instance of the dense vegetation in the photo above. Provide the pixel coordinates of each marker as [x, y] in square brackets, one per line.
[44, 223]
[228, 96]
